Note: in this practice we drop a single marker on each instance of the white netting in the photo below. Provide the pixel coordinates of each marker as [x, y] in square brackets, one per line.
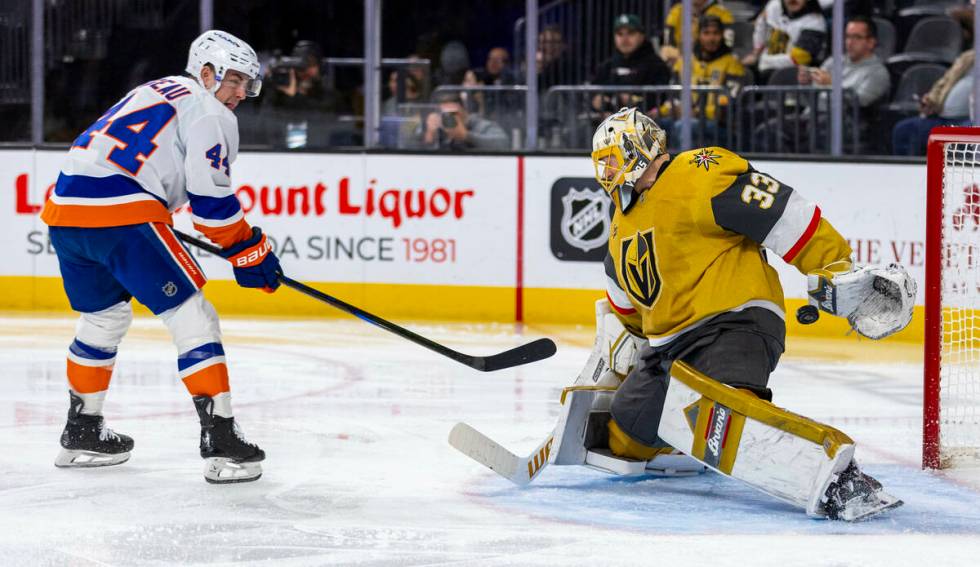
[959, 391]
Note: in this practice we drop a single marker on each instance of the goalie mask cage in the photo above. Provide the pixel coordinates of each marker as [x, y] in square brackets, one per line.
[951, 400]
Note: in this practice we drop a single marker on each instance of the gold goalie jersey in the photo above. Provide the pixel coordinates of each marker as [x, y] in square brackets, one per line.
[691, 245]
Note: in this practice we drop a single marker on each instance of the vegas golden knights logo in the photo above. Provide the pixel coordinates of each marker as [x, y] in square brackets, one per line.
[638, 267]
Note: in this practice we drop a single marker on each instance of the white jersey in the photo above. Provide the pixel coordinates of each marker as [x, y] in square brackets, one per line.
[166, 143]
[789, 40]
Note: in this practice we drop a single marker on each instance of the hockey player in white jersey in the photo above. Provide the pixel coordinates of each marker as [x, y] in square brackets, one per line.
[166, 143]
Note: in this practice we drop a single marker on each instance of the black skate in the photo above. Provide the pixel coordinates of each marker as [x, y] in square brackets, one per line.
[229, 457]
[855, 496]
[87, 442]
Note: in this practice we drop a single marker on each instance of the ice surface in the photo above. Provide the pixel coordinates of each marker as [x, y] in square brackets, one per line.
[359, 472]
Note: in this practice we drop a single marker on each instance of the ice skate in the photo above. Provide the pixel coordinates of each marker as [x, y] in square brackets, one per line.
[228, 456]
[87, 442]
[855, 496]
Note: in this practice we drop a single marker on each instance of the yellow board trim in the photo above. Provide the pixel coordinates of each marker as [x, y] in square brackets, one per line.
[431, 302]
[744, 403]
[462, 303]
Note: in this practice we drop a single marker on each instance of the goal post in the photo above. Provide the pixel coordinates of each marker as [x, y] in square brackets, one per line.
[951, 395]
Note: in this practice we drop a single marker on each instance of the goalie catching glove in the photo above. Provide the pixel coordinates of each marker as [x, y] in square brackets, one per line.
[254, 262]
[876, 300]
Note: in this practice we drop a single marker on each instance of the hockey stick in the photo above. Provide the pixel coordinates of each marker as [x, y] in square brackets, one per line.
[523, 354]
[489, 453]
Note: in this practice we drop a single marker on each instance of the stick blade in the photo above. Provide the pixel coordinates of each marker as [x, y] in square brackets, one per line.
[488, 453]
[524, 354]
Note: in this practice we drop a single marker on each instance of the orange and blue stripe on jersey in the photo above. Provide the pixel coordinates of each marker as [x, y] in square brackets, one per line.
[203, 370]
[220, 219]
[91, 202]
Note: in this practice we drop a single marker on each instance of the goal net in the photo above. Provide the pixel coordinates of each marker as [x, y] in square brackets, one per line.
[951, 411]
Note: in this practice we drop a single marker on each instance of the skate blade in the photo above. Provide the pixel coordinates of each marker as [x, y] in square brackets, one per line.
[864, 512]
[73, 458]
[218, 470]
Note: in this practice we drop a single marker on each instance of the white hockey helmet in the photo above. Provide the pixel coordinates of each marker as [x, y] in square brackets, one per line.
[623, 147]
[224, 52]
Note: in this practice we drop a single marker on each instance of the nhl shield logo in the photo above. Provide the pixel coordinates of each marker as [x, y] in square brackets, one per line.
[585, 218]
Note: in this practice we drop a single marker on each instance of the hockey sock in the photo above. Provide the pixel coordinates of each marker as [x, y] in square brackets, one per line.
[89, 372]
[92, 354]
[201, 358]
[204, 372]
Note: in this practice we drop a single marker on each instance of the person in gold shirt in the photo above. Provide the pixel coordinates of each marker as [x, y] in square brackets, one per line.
[713, 64]
[699, 9]
[693, 325]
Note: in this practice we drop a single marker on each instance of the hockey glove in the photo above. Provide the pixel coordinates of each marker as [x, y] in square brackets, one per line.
[254, 262]
[876, 300]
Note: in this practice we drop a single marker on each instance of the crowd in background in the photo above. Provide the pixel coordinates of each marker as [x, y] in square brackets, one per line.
[761, 71]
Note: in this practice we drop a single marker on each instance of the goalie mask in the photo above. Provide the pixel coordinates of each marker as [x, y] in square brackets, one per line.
[623, 147]
[224, 52]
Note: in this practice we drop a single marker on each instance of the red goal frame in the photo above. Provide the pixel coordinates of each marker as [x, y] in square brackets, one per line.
[935, 163]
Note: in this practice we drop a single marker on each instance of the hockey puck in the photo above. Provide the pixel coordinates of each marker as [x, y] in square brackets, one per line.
[807, 314]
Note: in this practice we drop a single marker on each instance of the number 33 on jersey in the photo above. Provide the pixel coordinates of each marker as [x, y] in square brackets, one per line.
[166, 143]
[690, 248]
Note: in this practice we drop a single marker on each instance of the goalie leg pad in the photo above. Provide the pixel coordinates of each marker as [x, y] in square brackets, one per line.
[773, 450]
[578, 406]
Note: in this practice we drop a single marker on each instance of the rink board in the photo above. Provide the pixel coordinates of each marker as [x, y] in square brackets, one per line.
[499, 238]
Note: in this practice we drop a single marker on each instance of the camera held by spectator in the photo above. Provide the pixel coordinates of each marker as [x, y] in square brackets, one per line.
[452, 127]
[283, 70]
[299, 73]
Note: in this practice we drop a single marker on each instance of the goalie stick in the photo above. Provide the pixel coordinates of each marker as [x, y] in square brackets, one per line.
[489, 453]
[523, 354]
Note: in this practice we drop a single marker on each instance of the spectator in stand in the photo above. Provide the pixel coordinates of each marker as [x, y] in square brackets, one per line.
[301, 109]
[412, 92]
[454, 62]
[787, 33]
[714, 64]
[550, 57]
[496, 71]
[453, 128]
[700, 8]
[635, 62]
[863, 72]
[397, 124]
[299, 82]
[946, 104]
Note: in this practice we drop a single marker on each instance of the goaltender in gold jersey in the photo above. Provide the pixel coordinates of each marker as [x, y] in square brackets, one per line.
[694, 324]
[688, 247]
